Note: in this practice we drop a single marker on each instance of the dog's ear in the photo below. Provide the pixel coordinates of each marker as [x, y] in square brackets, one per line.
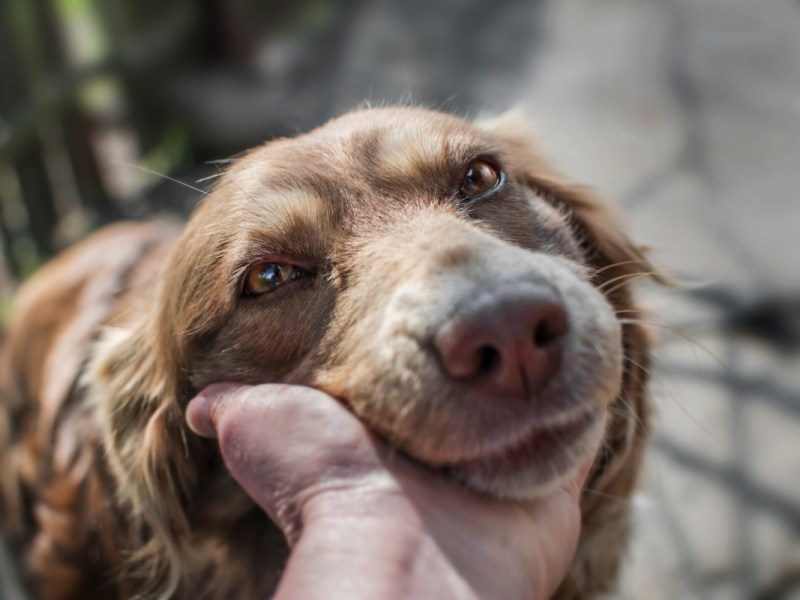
[139, 380]
[600, 231]
[133, 381]
[608, 248]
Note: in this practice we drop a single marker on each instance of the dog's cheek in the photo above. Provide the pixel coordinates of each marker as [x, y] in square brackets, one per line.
[265, 342]
[595, 367]
[371, 357]
[524, 219]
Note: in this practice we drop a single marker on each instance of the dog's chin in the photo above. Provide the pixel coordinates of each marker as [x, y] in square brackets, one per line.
[535, 466]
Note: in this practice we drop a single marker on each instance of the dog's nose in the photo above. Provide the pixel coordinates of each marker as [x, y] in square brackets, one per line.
[507, 346]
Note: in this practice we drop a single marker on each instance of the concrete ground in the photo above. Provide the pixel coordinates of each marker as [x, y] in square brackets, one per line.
[689, 113]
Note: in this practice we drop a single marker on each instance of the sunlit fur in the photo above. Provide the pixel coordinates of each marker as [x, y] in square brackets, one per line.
[106, 493]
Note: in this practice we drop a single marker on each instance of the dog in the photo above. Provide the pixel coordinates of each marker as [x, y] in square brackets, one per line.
[435, 275]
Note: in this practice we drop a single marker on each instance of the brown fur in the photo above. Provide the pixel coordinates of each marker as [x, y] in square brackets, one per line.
[105, 491]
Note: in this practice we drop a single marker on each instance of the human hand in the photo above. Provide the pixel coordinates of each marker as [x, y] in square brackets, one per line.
[364, 521]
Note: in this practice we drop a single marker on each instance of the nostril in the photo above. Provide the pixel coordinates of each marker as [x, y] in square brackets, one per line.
[510, 347]
[544, 335]
[488, 359]
[550, 328]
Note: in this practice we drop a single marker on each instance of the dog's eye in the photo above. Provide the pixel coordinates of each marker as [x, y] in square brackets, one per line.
[481, 177]
[266, 277]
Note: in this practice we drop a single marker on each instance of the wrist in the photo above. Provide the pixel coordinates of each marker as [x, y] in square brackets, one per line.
[372, 545]
[387, 541]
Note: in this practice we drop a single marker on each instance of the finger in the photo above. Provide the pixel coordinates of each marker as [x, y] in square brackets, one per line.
[202, 412]
[575, 485]
[286, 445]
[277, 432]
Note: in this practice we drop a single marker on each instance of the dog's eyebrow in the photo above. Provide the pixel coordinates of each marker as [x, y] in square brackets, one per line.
[412, 152]
[293, 222]
[402, 151]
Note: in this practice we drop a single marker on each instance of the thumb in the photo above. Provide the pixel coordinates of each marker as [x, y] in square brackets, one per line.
[575, 485]
[202, 412]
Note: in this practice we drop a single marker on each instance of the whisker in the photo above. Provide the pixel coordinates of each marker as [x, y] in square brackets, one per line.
[625, 399]
[600, 494]
[624, 280]
[403, 414]
[635, 363]
[679, 333]
[621, 263]
[669, 393]
[157, 174]
[234, 182]
[209, 177]
[637, 311]
[670, 326]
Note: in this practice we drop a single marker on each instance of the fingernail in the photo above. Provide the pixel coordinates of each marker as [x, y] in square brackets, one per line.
[201, 409]
[584, 475]
[198, 416]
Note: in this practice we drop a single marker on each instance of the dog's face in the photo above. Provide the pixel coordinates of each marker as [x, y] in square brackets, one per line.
[424, 270]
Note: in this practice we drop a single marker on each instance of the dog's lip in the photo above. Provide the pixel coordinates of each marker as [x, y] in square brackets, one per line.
[518, 433]
[538, 445]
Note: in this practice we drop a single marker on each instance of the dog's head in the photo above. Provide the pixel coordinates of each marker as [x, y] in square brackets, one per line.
[432, 274]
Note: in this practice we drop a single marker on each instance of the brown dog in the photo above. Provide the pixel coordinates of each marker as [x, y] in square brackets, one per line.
[432, 274]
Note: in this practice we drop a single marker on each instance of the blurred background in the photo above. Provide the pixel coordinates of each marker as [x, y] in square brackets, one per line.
[685, 112]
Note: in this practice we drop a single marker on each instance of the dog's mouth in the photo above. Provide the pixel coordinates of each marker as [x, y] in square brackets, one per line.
[529, 467]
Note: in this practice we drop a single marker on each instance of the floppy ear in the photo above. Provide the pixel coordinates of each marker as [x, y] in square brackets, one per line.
[600, 231]
[172, 480]
[599, 227]
[132, 380]
[616, 262]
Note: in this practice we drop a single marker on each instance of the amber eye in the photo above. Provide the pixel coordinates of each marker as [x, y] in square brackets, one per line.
[266, 277]
[481, 177]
